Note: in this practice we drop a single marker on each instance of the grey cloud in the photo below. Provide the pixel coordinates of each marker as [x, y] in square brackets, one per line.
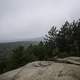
[21, 19]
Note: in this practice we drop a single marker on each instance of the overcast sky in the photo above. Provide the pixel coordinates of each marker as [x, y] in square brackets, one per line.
[22, 19]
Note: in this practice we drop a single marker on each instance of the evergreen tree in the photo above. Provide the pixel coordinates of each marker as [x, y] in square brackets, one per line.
[17, 58]
[50, 38]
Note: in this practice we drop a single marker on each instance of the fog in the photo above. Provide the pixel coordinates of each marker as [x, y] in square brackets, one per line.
[24, 19]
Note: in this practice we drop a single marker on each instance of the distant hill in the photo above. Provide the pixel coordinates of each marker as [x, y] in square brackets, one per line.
[36, 39]
[5, 48]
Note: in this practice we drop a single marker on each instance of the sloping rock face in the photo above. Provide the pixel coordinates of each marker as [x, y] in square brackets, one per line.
[61, 69]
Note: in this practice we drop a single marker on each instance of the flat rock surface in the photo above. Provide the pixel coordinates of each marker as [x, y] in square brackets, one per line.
[61, 69]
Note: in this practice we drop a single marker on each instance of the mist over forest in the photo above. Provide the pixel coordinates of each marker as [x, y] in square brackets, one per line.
[58, 43]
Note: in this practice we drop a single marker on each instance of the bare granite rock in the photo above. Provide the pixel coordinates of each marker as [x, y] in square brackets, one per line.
[61, 69]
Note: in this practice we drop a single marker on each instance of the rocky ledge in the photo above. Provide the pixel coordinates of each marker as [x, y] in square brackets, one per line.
[59, 69]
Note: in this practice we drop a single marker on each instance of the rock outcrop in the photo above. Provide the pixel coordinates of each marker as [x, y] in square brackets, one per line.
[60, 69]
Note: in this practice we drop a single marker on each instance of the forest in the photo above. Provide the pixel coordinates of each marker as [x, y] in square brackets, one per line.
[58, 43]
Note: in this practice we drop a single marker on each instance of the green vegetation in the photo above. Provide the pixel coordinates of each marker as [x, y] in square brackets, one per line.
[58, 43]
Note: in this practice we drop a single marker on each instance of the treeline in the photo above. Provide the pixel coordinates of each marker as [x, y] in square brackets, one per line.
[65, 41]
[61, 43]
